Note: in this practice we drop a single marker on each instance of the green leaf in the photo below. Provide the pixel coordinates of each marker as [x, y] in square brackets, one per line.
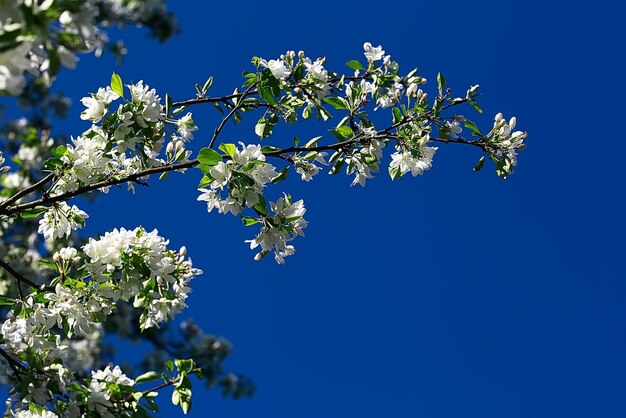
[53, 163]
[205, 181]
[59, 151]
[47, 263]
[259, 128]
[355, 65]
[474, 104]
[207, 85]
[397, 115]
[168, 103]
[262, 205]
[336, 103]
[116, 85]
[480, 164]
[441, 83]
[472, 127]
[229, 149]
[248, 220]
[209, 156]
[344, 131]
[34, 212]
[6, 301]
[266, 94]
[148, 377]
[395, 172]
[282, 175]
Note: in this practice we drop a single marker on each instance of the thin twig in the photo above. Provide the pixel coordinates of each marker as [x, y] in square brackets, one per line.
[231, 113]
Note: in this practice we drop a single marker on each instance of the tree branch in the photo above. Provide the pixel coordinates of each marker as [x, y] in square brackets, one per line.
[15, 365]
[18, 276]
[26, 191]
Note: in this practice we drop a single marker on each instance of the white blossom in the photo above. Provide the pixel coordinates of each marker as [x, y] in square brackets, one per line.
[273, 236]
[279, 68]
[405, 161]
[28, 414]
[373, 53]
[97, 104]
[114, 375]
[60, 220]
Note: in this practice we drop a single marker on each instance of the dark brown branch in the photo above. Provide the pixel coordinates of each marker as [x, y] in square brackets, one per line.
[18, 276]
[98, 185]
[15, 365]
[221, 99]
[478, 143]
[26, 191]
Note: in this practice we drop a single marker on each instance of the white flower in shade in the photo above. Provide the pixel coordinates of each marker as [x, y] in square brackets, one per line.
[60, 220]
[373, 53]
[210, 197]
[14, 333]
[186, 126]
[454, 128]
[306, 170]
[316, 69]
[99, 398]
[13, 63]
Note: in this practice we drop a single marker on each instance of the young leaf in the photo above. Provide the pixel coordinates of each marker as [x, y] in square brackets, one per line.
[34, 212]
[441, 83]
[147, 377]
[336, 103]
[209, 156]
[116, 85]
[6, 301]
[229, 149]
[472, 127]
[355, 65]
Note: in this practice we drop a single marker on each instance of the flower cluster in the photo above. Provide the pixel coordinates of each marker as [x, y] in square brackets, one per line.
[279, 229]
[504, 143]
[237, 182]
[125, 141]
[415, 159]
[315, 78]
[60, 220]
[38, 34]
[35, 414]
[364, 161]
[125, 264]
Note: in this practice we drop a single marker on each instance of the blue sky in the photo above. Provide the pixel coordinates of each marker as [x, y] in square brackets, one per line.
[454, 294]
